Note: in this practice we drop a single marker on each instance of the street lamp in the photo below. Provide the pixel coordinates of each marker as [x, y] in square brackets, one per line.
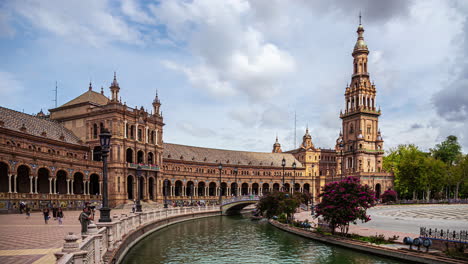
[283, 163]
[294, 176]
[104, 139]
[166, 181]
[191, 194]
[220, 168]
[138, 203]
[235, 181]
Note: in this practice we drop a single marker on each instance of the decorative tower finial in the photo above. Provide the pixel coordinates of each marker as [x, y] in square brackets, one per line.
[102, 90]
[276, 146]
[90, 86]
[156, 104]
[359, 17]
[114, 89]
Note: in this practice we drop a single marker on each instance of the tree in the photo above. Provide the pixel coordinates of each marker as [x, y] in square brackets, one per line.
[344, 202]
[447, 151]
[277, 203]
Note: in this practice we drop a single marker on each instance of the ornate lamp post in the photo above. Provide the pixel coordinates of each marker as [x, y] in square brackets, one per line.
[191, 194]
[283, 163]
[138, 203]
[104, 139]
[235, 181]
[166, 181]
[220, 168]
[294, 176]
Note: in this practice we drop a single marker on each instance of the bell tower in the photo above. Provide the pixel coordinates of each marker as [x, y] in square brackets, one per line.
[277, 146]
[360, 147]
[114, 90]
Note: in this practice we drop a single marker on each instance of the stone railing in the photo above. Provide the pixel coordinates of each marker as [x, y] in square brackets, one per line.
[104, 238]
[241, 198]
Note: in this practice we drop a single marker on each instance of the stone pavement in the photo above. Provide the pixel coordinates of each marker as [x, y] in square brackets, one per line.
[405, 220]
[31, 240]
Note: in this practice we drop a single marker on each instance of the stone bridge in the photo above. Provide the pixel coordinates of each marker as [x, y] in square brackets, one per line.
[235, 204]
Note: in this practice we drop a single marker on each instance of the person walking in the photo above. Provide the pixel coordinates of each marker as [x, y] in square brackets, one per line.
[54, 212]
[46, 213]
[28, 211]
[84, 219]
[60, 215]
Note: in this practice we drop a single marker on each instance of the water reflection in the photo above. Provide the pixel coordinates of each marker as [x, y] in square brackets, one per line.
[235, 239]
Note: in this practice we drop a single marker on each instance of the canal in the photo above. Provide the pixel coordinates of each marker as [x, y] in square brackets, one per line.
[235, 239]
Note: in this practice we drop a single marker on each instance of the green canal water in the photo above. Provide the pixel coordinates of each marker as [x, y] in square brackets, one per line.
[235, 239]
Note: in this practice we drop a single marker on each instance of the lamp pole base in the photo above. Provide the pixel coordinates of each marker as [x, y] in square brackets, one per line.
[138, 207]
[105, 215]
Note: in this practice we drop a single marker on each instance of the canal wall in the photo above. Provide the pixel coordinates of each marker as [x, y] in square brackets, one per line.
[407, 256]
[109, 242]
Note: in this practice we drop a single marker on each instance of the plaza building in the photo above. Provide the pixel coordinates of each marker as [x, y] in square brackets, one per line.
[55, 158]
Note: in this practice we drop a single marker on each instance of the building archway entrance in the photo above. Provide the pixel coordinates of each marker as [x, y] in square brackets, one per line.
[4, 179]
[276, 186]
[201, 189]
[62, 183]
[378, 190]
[78, 184]
[245, 189]
[255, 189]
[212, 189]
[130, 187]
[306, 188]
[178, 188]
[43, 180]
[223, 189]
[94, 184]
[265, 188]
[23, 184]
[287, 187]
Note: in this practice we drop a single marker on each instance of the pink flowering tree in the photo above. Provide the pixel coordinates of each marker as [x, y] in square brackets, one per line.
[389, 196]
[345, 202]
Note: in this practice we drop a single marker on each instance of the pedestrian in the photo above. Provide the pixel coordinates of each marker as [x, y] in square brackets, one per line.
[84, 219]
[60, 215]
[54, 212]
[21, 207]
[46, 213]
[28, 211]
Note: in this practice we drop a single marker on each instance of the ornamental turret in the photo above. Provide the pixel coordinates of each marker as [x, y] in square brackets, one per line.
[114, 90]
[156, 104]
[277, 146]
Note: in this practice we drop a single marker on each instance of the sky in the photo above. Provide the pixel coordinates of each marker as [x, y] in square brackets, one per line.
[233, 74]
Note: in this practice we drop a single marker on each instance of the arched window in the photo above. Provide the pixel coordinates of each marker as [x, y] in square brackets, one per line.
[132, 132]
[129, 156]
[95, 131]
[140, 158]
[351, 129]
[150, 158]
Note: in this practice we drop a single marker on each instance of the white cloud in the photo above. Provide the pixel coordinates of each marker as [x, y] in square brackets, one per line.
[11, 89]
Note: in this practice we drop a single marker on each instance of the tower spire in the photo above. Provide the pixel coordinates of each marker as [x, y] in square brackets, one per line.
[114, 89]
[360, 18]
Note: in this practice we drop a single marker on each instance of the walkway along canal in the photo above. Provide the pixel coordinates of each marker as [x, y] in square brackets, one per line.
[235, 239]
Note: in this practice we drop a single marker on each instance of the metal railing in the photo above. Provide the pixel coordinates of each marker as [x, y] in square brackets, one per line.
[460, 236]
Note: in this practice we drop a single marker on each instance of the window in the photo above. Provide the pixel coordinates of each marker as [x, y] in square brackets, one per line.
[368, 129]
[95, 129]
[351, 129]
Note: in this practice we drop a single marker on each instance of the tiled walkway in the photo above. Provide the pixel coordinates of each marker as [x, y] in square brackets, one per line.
[31, 240]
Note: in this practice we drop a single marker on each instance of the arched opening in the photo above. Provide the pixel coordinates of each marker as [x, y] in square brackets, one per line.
[212, 189]
[22, 180]
[141, 188]
[223, 189]
[130, 187]
[306, 188]
[233, 188]
[150, 158]
[151, 188]
[4, 180]
[140, 158]
[152, 137]
[245, 189]
[178, 188]
[94, 184]
[95, 131]
[201, 189]
[255, 189]
[265, 188]
[190, 188]
[297, 187]
[167, 188]
[287, 187]
[97, 153]
[129, 156]
[78, 184]
[378, 190]
[132, 132]
[276, 186]
[61, 183]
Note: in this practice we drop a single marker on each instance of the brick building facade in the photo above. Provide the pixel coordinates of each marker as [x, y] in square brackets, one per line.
[55, 158]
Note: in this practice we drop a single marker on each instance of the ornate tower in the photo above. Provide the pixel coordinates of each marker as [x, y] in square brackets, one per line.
[277, 146]
[360, 147]
[156, 104]
[114, 90]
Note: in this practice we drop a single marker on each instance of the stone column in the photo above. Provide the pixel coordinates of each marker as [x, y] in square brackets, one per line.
[50, 185]
[206, 191]
[15, 188]
[260, 191]
[228, 193]
[31, 184]
[100, 188]
[195, 191]
[35, 185]
[9, 183]
[68, 186]
[55, 185]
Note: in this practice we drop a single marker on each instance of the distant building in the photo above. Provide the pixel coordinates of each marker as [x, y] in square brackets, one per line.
[55, 159]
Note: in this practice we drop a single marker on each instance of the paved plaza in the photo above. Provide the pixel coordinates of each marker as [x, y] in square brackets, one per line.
[31, 240]
[405, 220]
